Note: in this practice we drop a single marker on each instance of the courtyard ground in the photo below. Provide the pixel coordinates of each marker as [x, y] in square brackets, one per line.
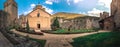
[57, 40]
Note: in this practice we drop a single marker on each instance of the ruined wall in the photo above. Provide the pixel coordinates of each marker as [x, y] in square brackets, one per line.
[81, 23]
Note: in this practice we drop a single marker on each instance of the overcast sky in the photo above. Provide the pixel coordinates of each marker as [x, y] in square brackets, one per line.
[89, 7]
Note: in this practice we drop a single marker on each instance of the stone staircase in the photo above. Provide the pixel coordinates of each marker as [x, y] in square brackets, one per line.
[10, 39]
[4, 42]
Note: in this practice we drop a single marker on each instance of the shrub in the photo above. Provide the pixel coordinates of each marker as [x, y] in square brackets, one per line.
[27, 26]
[55, 25]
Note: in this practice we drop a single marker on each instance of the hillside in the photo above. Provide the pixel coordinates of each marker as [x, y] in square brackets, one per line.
[67, 15]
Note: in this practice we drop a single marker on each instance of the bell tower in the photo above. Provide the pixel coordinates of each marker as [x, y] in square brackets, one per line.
[10, 6]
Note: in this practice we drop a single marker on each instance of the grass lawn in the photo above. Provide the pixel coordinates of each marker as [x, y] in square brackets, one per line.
[65, 31]
[108, 39]
[42, 42]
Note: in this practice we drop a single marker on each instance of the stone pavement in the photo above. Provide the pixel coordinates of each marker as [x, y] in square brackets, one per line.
[56, 40]
[4, 42]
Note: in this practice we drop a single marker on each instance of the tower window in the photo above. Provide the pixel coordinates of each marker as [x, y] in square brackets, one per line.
[38, 15]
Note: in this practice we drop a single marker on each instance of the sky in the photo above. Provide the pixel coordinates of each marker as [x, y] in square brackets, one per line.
[88, 7]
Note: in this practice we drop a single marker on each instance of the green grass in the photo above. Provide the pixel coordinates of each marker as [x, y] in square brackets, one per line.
[65, 31]
[108, 39]
[42, 42]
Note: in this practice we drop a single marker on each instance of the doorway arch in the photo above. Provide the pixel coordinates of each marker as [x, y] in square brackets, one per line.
[38, 26]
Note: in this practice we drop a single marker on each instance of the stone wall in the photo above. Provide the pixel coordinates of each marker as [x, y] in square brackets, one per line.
[80, 23]
[3, 19]
[106, 22]
[22, 21]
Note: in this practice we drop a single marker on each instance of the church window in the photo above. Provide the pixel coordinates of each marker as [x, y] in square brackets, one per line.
[38, 15]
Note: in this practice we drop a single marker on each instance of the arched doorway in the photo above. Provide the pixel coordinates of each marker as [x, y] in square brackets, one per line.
[38, 26]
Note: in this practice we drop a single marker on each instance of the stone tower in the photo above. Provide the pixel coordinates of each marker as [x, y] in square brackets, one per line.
[115, 11]
[104, 15]
[10, 6]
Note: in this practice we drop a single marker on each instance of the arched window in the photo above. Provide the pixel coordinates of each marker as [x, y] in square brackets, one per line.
[38, 15]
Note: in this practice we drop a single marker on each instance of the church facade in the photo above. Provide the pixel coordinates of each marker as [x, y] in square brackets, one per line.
[39, 19]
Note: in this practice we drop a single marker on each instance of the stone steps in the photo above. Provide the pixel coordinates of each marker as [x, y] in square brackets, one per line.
[4, 42]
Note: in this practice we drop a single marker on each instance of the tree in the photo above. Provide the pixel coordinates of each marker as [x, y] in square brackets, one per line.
[55, 24]
[27, 26]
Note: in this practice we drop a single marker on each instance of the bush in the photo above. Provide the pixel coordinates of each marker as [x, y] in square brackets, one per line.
[65, 31]
[96, 29]
[31, 31]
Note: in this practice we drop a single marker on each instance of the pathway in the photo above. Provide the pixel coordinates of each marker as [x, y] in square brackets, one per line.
[56, 40]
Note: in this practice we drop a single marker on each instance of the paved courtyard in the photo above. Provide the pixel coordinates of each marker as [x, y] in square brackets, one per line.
[56, 40]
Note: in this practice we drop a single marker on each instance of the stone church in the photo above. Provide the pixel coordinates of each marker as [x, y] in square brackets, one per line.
[38, 19]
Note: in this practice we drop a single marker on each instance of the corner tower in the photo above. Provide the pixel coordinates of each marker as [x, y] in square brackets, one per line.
[10, 6]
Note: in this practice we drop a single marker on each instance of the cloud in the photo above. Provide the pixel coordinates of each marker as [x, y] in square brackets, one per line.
[48, 2]
[82, 13]
[32, 5]
[73, 1]
[30, 9]
[48, 10]
[26, 12]
[68, 2]
[77, 1]
[105, 3]
[94, 12]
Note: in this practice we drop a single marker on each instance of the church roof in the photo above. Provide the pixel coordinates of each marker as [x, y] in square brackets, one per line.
[38, 7]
